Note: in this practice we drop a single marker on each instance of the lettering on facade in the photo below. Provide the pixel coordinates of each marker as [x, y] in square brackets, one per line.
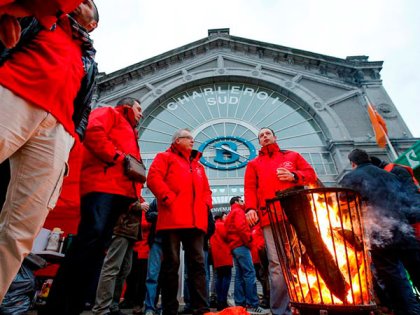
[218, 95]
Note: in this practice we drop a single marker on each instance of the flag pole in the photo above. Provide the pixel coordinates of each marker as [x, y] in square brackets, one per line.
[388, 142]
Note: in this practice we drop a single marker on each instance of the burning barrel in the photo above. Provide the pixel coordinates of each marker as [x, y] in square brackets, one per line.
[319, 239]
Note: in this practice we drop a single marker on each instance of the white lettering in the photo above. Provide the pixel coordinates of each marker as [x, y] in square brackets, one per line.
[249, 91]
[275, 100]
[211, 101]
[196, 94]
[262, 95]
[233, 100]
[235, 89]
[172, 106]
[183, 99]
[208, 91]
[220, 90]
[222, 100]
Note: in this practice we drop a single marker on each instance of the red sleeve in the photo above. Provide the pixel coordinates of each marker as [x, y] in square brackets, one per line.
[304, 171]
[156, 178]
[96, 140]
[242, 227]
[251, 184]
[207, 191]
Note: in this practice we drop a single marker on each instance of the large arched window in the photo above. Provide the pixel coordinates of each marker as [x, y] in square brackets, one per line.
[234, 112]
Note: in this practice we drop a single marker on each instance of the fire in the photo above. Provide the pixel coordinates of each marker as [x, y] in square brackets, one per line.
[342, 235]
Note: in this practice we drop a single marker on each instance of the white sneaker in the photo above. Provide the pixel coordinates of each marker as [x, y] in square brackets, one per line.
[257, 310]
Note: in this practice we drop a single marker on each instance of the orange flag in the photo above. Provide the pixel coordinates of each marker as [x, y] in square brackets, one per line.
[378, 125]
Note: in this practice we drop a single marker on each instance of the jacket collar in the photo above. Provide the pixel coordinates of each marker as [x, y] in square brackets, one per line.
[195, 155]
[269, 149]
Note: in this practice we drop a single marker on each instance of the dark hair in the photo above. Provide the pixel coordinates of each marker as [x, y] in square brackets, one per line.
[235, 199]
[95, 12]
[127, 101]
[358, 156]
[378, 162]
[218, 217]
[268, 129]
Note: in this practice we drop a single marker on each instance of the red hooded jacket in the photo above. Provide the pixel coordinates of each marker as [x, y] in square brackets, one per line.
[257, 243]
[108, 136]
[261, 182]
[182, 190]
[238, 232]
[219, 248]
[141, 247]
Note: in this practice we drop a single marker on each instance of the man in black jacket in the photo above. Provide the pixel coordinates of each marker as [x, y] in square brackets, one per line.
[46, 84]
[387, 222]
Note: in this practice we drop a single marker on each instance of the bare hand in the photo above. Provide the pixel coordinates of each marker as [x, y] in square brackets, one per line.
[252, 217]
[285, 175]
[144, 206]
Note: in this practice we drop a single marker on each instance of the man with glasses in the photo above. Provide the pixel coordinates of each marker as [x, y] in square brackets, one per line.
[180, 185]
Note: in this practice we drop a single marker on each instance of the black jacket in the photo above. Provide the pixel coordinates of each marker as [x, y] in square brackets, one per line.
[82, 103]
[390, 212]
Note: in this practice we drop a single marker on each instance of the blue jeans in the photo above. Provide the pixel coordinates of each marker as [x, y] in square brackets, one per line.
[223, 277]
[245, 280]
[98, 215]
[390, 269]
[152, 278]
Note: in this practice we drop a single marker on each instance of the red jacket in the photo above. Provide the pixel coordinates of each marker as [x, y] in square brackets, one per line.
[182, 190]
[47, 72]
[108, 133]
[261, 180]
[220, 250]
[142, 247]
[238, 232]
[257, 243]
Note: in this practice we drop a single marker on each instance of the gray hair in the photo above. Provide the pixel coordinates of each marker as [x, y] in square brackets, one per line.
[179, 133]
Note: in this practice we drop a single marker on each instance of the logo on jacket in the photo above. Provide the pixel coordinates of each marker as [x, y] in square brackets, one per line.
[227, 153]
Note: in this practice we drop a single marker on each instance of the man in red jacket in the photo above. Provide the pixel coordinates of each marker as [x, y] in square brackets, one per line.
[238, 234]
[180, 185]
[271, 171]
[42, 96]
[106, 192]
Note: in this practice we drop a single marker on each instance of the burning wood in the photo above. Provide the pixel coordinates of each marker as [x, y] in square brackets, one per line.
[321, 247]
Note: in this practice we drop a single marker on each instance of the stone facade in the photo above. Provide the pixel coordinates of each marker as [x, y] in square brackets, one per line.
[329, 89]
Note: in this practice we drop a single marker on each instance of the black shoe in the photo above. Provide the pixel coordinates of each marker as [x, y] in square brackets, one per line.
[117, 312]
[126, 304]
[185, 310]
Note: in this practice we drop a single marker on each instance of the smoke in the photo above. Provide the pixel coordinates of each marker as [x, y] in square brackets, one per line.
[383, 230]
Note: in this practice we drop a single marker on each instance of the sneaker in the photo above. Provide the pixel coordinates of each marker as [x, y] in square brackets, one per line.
[257, 310]
[149, 312]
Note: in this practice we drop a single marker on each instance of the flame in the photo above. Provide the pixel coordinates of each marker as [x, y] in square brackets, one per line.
[342, 234]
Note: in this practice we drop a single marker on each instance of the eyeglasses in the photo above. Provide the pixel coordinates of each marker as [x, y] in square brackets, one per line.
[186, 137]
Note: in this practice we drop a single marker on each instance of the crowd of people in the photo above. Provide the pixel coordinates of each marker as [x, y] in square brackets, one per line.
[122, 238]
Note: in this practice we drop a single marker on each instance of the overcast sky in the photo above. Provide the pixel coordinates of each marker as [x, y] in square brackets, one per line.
[131, 31]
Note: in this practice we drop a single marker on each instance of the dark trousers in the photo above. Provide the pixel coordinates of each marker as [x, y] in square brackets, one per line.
[99, 213]
[192, 243]
[136, 282]
[389, 265]
[223, 277]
